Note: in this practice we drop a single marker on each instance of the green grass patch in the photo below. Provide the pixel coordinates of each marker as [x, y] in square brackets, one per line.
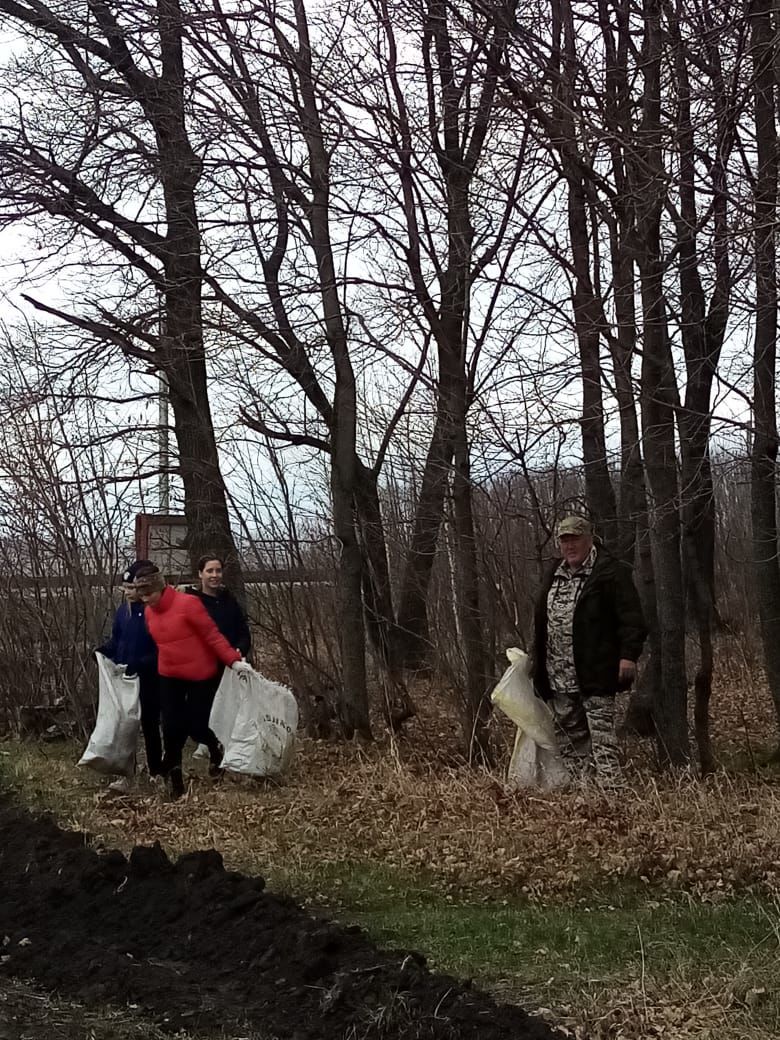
[556, 946]
[613, 962]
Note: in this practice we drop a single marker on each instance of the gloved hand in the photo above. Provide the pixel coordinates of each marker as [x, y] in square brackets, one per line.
[242, 666]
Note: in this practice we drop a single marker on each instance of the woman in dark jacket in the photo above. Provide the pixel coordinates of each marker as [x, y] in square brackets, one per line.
[222, 606]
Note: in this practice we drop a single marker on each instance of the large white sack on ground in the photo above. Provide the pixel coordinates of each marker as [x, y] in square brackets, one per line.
[112, 746]
[536, 761]
[534, 766]
[256, 721]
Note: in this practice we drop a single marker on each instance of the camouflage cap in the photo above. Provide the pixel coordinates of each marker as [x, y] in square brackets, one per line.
[575, 526]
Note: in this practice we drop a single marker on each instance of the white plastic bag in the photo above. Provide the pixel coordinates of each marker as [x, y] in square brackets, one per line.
[256, 721]
[112, 746]
[223, 711]
[536, 761]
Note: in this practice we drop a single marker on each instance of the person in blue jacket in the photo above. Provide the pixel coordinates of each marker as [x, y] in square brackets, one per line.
[131, 645]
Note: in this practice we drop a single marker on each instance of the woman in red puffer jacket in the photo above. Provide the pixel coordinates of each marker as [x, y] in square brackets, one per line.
[190, 652]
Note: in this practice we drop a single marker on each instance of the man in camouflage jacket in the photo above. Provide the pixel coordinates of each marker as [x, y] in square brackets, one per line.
[589, 633]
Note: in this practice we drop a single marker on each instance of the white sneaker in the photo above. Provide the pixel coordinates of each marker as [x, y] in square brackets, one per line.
[121, 786]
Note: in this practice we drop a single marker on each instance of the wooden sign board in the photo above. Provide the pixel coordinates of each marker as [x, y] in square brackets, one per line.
[162, 538]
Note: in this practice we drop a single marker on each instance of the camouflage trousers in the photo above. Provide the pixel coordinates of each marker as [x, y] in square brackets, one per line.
[585, 728]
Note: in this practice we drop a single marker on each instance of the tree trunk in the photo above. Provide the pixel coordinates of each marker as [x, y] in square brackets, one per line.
[413, 601]
[382, 629]
[633, 543]
[765, 441]
[344, 464]
[658, 395]
[182, 351]
[588, 322]
[633, 527]
[205, 502]
[353, 696]
[670, 706]
[702, 337]
[476, 706]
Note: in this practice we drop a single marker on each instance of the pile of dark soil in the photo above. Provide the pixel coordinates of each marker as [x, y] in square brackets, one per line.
[199, 947]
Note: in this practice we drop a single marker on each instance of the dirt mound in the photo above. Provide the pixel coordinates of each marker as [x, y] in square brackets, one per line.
[202, 948]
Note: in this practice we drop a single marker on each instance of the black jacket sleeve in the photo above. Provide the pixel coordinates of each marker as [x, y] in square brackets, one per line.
[538, 667]
[242, 637]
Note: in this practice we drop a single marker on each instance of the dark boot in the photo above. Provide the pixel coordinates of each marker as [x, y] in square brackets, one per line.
[176, 783]
[215, 766]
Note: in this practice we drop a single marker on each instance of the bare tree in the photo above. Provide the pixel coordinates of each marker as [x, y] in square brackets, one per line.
[127, 141]
[62, 521]
[420, 166]
[651, 246]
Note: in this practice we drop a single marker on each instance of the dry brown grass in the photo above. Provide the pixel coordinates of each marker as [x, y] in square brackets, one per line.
[410, 804]
[681, 1011]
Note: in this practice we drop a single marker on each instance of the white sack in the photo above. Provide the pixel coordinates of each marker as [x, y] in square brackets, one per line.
[534, 766]
[256, 721]
[536, 760]
[223, 712]
[112, 746]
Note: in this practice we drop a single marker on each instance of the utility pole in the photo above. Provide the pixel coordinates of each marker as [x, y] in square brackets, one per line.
[164, 452]
[163, 422]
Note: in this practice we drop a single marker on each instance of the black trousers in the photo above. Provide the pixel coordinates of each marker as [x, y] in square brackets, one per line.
[149, 694]
[186, 706]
